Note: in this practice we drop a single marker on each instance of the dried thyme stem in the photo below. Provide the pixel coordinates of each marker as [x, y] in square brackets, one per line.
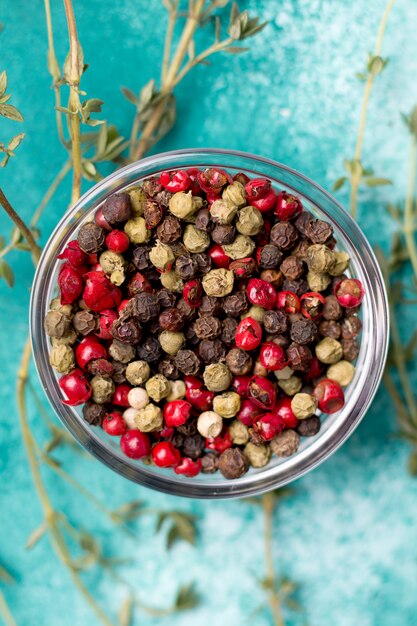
[54, 71]
[172, 18]
[74, 101]
[409, 228]
[355, 178]
[268, 506]
[5, 612]
[65, 169]
[17, 220]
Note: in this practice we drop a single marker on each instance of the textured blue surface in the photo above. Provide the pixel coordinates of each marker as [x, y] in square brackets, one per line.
[348, 535]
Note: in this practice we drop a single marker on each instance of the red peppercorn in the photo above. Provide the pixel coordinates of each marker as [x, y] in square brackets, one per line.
[165, 433]
[272, 356]
[288, 301]
[240, 384]
[165, 454]
[117, 241]
[349, 292]
[201, 399]
[188, 467]
[96, 268]
[248, 334]
[262, 392]
[220, 443]
[192, 382]
[261, 293]
[312, 304]
[138, 284]
[248, 412]
[89, 349]
[193, 293]
[266, 203]
[212, 180]
[99, 293]
[135, 444]
[287, 206]
[74, 255]
[316, 369]
[177, 412]
[123, 305]
[93, 258]
[107, 317]
[218, 256]
[76, 387]
[70, 284]
[100, 220]
[194, 187]
[120, 395]
[329, 395]
[284, 411]
[268, 425]
[114, 424]
[257, 188]
[175, 181]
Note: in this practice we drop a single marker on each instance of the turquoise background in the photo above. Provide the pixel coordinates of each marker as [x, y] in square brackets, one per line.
[348, 534]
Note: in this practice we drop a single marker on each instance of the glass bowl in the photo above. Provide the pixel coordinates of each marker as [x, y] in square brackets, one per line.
[335, 428]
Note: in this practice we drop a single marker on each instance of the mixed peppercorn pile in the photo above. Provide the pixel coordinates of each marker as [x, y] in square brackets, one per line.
[205, 320]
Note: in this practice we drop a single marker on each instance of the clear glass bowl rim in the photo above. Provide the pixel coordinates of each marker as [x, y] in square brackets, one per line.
[269, 477]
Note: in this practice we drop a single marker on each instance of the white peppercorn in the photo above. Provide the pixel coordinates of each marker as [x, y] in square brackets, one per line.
[138, 398]
[209, 424]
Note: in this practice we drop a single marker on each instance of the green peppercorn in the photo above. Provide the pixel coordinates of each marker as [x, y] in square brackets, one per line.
[227, 404]
[329, 350]
[161, 256]
[303, 405]
[342, 372]
[102, 389]
[171, 281]
[184, 205]
[257, 455]
[217, 377]
[136, 230]
[241, 248]
[235, 193]
[157, 387]
[149, 419]
[223, 211]
[137, 372]
[171, 342]
[218, 283]
[195, 240]
[61, 358]
[249, 222]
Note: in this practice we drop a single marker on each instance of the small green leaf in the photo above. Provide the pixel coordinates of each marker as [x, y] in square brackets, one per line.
[130, 96]
[375, 181]
[6, 272]
[15, 141]
[186, 598]
[412, 464]
[376, 64]
[236, 50]
[3, 82]
[10, 112]
[338, 184]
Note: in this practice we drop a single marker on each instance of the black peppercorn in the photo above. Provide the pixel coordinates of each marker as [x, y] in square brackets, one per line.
[189, 428]
[152, 186]
[212, 350]
[270, 256]
[274, 277]
[127, 330]
[91, 238]
[171, 319]
[210, 306]
[229, 326]
[330, 328]
[140, 257]
[191, 337]
[85, 322]
[188, 312]
[309, 427]
[203, 262]
[299, 357]
[163, 197]
[351, 327]
[281, 340]
[299, 287]
[168, 368]
[177, 439]
[275, 322]
[119, 370]
[209, 463]
[203, 220]
[233, 463]
[149, 350]
[207, 327]
[331, 308]
[193, 446]
[166, 298]
[319, 231]
[152, 213]
[284, 235]
[243, 268]
[303, 331]
[117, 208]
[303, 221]
[100, 367]
[236, 304]
[186, 267]
[223, 234]
[300, 250]
[146, 306]
[187, 362]
[350, 349]
[94, 413]
[169, 230]
[239, 362]
[292, 267]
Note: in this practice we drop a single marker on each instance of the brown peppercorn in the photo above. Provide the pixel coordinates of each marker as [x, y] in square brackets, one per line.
[292, 267]
[119, 370]
[151, 186]
[309, 427]
[229, 326]
[270, 257]
[223, 234]
[239, 361]
[177, 439]
[300, 250]
[146, 306]
[299, 357]
[212, 350]
[168, 368]
[303, 331]
[186, 267]
[203, 261]
[351, 327]
[93, 413]
[281, 340]
[171, 319]
[85, 322]
[332, 309]
[169, 230]
[140, 257]
[284, 235]
[350, 349]
[57, 324]
[187, 362]
[163, 197]
[210, 305]
[236, 304]
[121, 352]
[127, 330]
[100, 367]
[207, 327]
[275, 322]
[193, 446]
[319, 231]
[149, 350]
[203, 220]
[274, 277]
[190, 336]
[189, 428]
[91, 238]
[166, 298]
[286, 443]
[117, 208]
[243, 268]
[303, 221]
[209, 463]
[330, 328]
[233, 463]
[188, 312]
[299, 286]
[153, 213]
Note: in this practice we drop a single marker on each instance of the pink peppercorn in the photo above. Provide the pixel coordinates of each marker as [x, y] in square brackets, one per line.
[117, 241]
[268, 425]
[248, 334]
[89, 349]
[120, 395]
[284, 411]
[248, 411]
[220, 443]
[74, 255]
[349, 292]
[272, 356]
[266, 203]
[76, 387]
[329, 395]
[165, 454]
[312, 304]
[188, 467]
[287, 206]
[70, 284]
[240, 384]
[193, 293]
[262, 392]
[107, 317]
[177, 412]
[100, 220]
[261, 293]
[135, 444]
[257, 188]
[175, 181]
[99, 293]
[288, 301]
[219, 257]
[114, 424]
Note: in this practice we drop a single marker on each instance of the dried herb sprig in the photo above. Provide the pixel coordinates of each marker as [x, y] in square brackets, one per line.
[357, 173]
[5, 612]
